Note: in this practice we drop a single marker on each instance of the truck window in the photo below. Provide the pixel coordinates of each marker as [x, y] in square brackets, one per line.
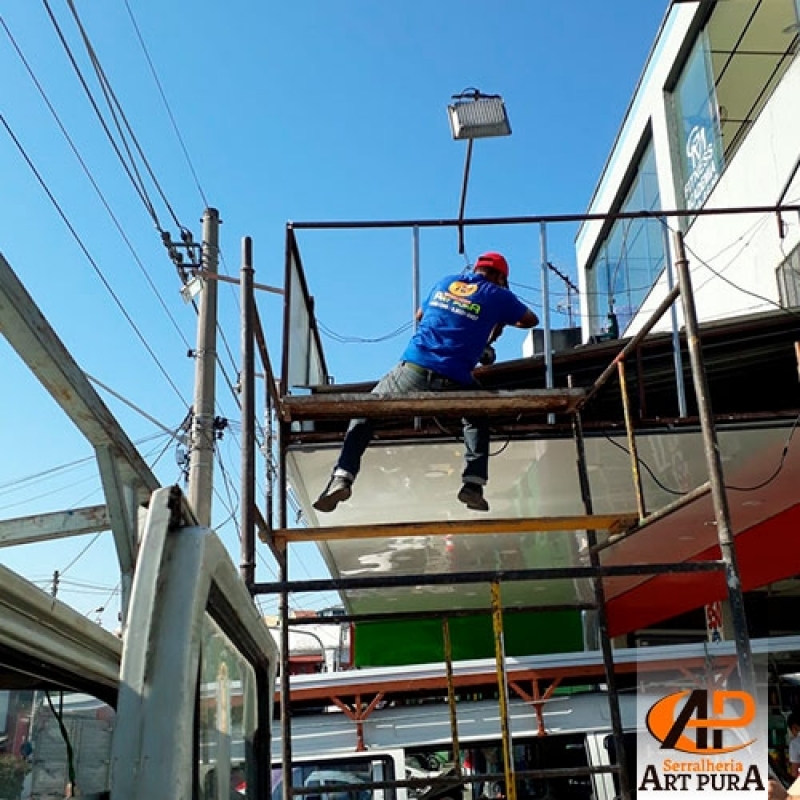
[56, 742]
[227, 715]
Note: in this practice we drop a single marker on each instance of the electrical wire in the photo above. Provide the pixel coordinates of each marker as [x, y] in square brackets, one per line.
[134, 178]
[113, 103]
[89, 257]
[166, 104]
[92, 180]
[331, 334]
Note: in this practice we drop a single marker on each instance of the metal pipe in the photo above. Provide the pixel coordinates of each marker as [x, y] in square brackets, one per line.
[680, 385]
[715, 473]
[502, 691]
[632, 451]
[602, 618]
[286, 697]
[481, 576]
[392, 616]
[415, 296]
[664, 511]
[536, 219]
[463, 203]
[247, 387]
[451, 695]
[632, 344]
[547, 338]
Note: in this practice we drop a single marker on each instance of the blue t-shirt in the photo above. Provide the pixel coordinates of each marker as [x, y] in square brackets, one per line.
[458, 318]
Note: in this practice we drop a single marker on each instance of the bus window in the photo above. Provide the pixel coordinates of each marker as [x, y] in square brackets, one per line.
[529, 753]
[629, 743]
[340, 777]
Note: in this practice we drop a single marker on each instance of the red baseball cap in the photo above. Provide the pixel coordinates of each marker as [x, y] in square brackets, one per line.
[493, 261]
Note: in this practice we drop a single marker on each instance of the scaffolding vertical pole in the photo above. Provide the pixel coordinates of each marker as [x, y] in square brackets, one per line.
[547, 339]
[673, 312]
[415, 301]
[715, 474]
[632, 450]
[451, 694]
[502, 691]
[247, 388]
[286, 697]
[602, 619]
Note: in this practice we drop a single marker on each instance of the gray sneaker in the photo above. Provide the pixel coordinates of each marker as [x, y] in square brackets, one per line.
[337, 491]
[471, 495]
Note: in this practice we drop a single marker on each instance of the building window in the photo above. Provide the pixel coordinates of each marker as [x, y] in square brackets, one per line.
[630, 258]
[697, 124]
[788, 274]
[737, 61]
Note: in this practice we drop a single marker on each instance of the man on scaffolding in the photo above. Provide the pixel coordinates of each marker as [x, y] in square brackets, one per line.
[462, 316]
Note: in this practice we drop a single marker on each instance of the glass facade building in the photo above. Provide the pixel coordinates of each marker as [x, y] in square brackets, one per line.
[712, 74]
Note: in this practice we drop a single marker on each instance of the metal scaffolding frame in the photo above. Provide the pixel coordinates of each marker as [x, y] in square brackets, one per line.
[568, 401]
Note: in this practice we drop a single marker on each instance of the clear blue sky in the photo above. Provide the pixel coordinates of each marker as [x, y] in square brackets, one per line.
[288, 111]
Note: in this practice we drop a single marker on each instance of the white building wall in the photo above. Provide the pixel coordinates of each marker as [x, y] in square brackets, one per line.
[745, 249]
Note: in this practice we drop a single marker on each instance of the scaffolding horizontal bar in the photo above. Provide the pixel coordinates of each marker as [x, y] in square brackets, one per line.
[614, 523]
[482, 576]
[451, 404]
[439, 614]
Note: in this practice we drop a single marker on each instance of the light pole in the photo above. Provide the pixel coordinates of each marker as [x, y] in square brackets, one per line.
[474, 115]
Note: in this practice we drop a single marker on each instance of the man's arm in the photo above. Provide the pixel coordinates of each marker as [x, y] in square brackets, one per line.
[529, 320]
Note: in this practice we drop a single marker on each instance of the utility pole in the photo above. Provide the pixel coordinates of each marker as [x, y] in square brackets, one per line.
[201, 459]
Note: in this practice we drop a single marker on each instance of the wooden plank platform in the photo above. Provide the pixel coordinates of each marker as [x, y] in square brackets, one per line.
[614, 523]
[504, 401]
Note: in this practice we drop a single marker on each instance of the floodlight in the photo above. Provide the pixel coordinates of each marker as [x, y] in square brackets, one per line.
[477, 116]
[192, 288]
[474, 115]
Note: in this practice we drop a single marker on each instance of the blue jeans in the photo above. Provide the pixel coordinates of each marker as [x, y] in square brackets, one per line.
[402, 380]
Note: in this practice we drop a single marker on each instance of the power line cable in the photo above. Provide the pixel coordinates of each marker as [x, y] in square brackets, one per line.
[89, 257]
[135, 179]
[92, 180]
[113, 102]
[166, 104]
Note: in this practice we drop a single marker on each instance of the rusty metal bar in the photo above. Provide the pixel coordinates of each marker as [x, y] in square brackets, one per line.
[609, 522]
[602, 618]
[502, 691]
[715, 472]
[696, 493]
[451, 404]
[482, 576]
[632, 344]
[390, 616]
[451, 695]
[632, 451]
[551, 218]
[247, 387]
[286, 697]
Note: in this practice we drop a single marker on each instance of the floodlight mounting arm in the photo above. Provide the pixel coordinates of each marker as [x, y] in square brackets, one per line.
[473, 94]
[463, 203]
